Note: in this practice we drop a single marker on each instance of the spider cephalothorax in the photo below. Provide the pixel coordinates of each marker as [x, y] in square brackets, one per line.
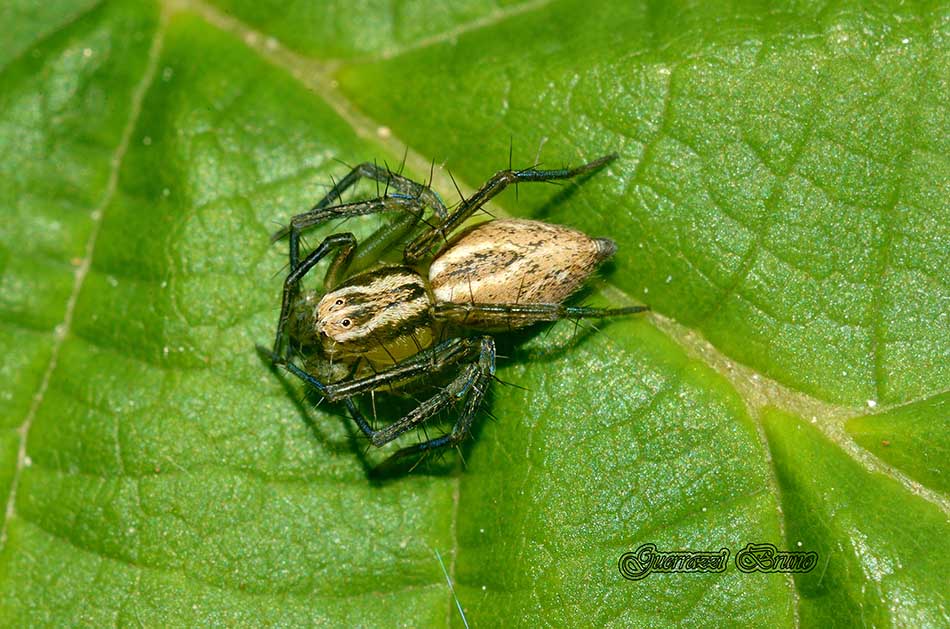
[381, 316]
[391, 327]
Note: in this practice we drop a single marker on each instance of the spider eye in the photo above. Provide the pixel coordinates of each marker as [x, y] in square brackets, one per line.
[345, 323]
[339, 302]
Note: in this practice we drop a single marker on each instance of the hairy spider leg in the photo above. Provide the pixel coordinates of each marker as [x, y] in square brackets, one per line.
[427, 242]
[427, 361]
[346, 242]
[472, 381]
[407, 187]
[524, 314]
[475, 379]
[299, 223]
[369, 251]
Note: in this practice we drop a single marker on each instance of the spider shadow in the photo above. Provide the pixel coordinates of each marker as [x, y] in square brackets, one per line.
[511, 349]
[516, 346]
[379, 470]
[311, 399]
[562, 196]
[532, 345]
[436, 463]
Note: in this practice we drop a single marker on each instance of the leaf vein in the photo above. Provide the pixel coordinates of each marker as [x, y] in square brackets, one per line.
[63, 329]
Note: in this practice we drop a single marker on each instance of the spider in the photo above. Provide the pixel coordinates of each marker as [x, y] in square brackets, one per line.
[396, 327]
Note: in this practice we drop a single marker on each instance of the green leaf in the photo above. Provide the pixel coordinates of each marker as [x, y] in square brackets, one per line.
[862, 523]
[780, 200]
[783, 177]
[912, 438]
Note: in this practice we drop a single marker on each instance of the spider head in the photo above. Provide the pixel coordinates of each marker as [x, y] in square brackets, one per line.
[370, 311]
[340, 316]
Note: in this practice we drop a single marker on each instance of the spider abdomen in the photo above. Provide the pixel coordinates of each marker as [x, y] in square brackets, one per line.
[514, 261]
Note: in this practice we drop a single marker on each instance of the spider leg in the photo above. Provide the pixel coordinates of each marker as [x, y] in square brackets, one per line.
[428, 361]
[428, 408]
[519, 315]
[406, 187]
[346, 242]
[393, 180]
[474, 378]
[426, 242]
[301, 222]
